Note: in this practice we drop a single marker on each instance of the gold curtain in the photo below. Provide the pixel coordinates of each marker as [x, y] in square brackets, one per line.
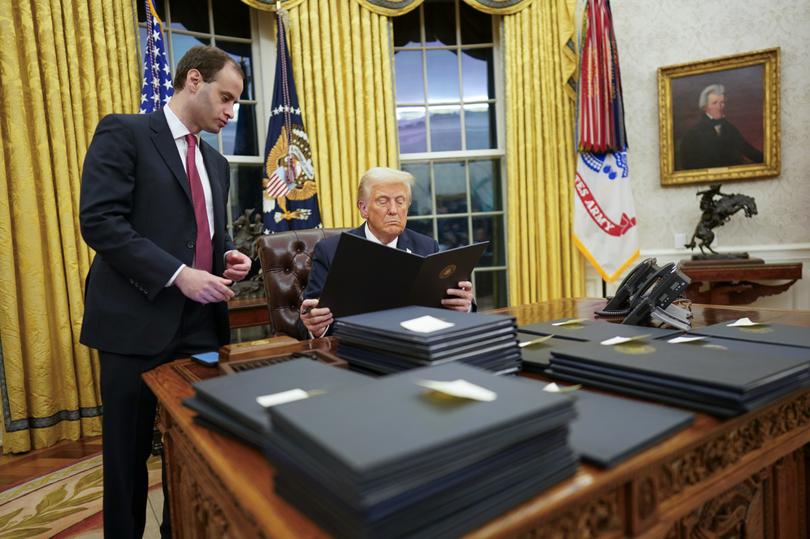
[341, 54]
[63, 65]
[542, 259]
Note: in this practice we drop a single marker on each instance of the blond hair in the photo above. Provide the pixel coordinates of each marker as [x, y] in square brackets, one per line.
[383, 175]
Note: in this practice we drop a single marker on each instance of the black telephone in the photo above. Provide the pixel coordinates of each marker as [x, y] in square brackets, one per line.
[647, 293]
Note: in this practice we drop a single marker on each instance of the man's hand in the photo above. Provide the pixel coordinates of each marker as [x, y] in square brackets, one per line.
[462, 300]
[316, 320]
[237, 265]
[202, 287]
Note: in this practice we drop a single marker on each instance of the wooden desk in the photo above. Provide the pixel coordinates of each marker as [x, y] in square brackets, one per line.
[746, 476]
[736, 284]
[248, 312]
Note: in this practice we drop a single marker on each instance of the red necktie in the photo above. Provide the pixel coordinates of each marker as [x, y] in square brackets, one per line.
[203, 251]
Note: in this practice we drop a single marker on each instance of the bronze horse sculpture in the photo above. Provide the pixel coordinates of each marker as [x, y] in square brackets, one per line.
[716, 212]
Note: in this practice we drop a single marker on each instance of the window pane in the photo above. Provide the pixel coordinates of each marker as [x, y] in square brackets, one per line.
[479, 122]
[485, 185]
[190, 16]
[231, 18]
[406, 29]
[211, 139]
[421, 203]
[453, 232]
[160, 9]
[442, 76]
[411, 124]
[181, 44]
[490, 289]
[239, 137]
[440, 22]
[478, 74]
[423, 226]
[242, 54]
[490, 228]
[410, 84]
[451, 187]
[246, 190]
[476, 27]
[445, 128]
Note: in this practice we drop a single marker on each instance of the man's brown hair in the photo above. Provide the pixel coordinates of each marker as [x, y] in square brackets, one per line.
[207, 60]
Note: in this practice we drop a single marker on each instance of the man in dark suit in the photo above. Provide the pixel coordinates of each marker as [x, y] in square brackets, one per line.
[153, 200]
[714, 141]
[383, 198]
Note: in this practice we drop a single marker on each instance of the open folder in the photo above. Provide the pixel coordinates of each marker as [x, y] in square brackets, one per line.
[366, 276]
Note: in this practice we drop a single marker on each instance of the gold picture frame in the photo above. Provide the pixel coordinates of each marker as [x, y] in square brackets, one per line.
[704, 138]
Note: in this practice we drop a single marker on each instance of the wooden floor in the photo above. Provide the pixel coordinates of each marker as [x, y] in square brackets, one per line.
[18, 469]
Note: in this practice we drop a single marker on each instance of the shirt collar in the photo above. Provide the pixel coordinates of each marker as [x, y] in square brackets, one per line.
[372, 237]
[176, 126]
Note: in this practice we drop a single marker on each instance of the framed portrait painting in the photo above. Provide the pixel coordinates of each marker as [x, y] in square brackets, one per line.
[718, 119]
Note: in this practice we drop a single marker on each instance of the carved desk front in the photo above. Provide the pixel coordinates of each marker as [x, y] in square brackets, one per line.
[744, 477]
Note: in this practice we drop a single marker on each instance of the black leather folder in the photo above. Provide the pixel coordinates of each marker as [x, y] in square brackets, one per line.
[702, 369]
[386, 325]
[387, 428]
[609, 430]
[535, 357]
[595, 330]
[366, 276]
[235, 394]
[765, 333]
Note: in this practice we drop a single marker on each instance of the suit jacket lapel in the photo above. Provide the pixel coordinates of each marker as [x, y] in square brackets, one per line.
[404, 242]
[167, 148]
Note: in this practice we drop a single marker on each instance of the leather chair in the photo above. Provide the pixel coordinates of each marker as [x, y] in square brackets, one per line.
[286, 259]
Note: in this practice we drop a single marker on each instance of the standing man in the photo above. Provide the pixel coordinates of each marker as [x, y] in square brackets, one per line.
[153, 200]
[714, 141]
[383, 198]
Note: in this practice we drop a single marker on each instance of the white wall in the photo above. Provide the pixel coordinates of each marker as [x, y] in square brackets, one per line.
[656, 33]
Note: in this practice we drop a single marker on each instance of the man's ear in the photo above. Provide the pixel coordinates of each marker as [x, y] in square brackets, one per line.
[194, 79]
[363, 207]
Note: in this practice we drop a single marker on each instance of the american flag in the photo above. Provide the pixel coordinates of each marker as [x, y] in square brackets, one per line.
[277, 183]
[157, 77]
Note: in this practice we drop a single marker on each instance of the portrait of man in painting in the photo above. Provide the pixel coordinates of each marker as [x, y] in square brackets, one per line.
[717, 118]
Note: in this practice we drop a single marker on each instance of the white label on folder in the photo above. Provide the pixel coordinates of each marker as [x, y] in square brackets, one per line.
[426, 324]
[554, 388]
[743, 323]
[685, 338]
[275, 399]
[622, 340]
[570, 322]
[460, 388]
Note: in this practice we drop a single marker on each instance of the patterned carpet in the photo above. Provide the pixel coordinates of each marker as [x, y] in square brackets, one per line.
[65, 503]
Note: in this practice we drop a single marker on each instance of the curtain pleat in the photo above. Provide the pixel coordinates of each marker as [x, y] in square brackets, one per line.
[341, 56]
[542, 259]
[63, 65]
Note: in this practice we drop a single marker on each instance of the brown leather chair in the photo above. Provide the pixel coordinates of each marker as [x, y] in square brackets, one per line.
[286, 259]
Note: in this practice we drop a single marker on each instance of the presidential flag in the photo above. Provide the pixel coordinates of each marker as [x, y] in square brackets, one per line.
[605, 225]
[290, 199]
[157, 77]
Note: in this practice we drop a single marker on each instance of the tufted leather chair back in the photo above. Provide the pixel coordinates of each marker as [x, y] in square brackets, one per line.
[286, 259]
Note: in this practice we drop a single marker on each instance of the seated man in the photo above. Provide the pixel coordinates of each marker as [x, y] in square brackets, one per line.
[383, 198]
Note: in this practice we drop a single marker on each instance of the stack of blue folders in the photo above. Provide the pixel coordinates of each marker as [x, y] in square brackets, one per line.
[721, 380]
[392, 458]
[377, 342]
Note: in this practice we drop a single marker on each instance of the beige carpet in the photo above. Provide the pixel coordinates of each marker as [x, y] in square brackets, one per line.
[64, 503]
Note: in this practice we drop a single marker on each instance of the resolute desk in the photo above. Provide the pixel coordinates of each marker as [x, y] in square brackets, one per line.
[746, 476]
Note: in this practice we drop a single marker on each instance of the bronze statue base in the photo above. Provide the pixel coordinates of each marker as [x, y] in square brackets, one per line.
[713, 260]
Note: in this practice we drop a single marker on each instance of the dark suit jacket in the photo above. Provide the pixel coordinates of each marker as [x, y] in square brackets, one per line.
[702, 147]
[137, 214]
[325, 253]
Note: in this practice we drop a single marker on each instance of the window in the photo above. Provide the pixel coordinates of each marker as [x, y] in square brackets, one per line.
[448, 98]
[229, 26]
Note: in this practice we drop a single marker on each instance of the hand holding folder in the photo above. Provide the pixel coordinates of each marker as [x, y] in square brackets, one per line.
[366, 276]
